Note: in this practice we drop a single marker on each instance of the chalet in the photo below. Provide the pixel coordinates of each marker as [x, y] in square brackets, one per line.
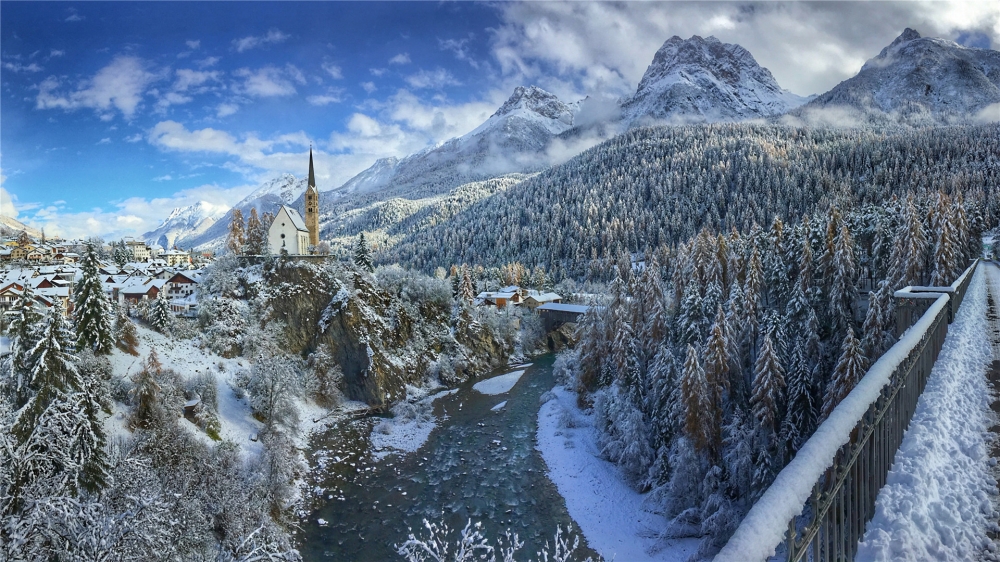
[181, 285]
[498, 299]
[137, 289]
[534, 299]
[20, 252]
[288, 232]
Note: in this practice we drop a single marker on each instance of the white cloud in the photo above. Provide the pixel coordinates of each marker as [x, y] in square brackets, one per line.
[226, 109]
[458, 47]
[324, 99]
[73, 16]
[18, 67]
[207, 62]
[166, 177]
[369, 86]
[435, 79]
[56, 53]
[119, 85]
[401, 58]
[193, 44]
[808, 46]
[7, 206]
[105, 140]
[333, 70]
[133, 216]
[187, 78]
[268, 81]
[378, 71]
[134, 138]
[273, 36]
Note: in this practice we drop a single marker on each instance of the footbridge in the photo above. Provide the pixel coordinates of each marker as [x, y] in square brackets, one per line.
[821, 506]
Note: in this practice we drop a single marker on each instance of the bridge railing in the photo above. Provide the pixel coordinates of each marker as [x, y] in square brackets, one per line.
[817, 507]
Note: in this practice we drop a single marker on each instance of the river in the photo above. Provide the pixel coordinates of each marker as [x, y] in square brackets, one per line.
[477, 464]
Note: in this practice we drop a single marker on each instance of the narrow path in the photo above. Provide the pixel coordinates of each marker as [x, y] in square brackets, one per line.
[937, 501]
[993, 378]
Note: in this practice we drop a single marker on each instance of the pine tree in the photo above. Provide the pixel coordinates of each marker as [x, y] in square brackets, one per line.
[877, 329]
[691, 319]
[92, 308]
[236, 240]
[694, 393]
[801, 414]
[717, 365]
[362, 255]
[23, 333]
[768, 387]
[51, 369]
[843, 291]
[947, 244]
[849, 370]
[125, 333]
[147, 405]
[466, 290]
[160, 316]
[256, 236]
[907, 260]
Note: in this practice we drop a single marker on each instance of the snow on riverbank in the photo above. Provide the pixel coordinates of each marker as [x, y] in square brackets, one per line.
[498, 385]
[411, 424]
[936, 502]
[609, 513]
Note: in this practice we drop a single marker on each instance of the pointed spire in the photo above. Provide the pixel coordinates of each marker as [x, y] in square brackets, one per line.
[312, 175]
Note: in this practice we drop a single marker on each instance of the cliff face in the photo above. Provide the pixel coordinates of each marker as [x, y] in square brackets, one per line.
[383, 338]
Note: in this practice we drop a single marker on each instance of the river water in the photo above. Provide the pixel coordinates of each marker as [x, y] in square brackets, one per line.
[477, 464]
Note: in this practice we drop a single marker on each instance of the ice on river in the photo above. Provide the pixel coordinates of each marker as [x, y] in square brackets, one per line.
[498, 385]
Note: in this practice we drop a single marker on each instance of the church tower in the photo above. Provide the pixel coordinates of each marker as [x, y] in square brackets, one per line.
[312, 205]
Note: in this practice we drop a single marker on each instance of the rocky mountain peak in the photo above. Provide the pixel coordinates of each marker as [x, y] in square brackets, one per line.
[536, 100]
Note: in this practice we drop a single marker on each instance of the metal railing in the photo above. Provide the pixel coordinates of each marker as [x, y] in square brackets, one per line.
[831, 521]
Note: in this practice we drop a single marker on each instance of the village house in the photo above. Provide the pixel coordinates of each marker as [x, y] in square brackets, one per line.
[137, 289]
[139, 249]
[176, 258]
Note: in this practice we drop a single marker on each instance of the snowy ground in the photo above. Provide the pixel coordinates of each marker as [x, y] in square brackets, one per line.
[499, 385]
[936, 503]
[610, 513]
[187, 359]
[411, 425]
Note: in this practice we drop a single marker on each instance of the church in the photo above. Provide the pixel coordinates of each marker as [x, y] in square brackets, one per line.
[288, 231]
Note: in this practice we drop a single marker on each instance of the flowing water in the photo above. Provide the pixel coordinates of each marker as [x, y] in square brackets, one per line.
[477, 464]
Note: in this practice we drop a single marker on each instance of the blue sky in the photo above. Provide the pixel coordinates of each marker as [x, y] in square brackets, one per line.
[114, 113]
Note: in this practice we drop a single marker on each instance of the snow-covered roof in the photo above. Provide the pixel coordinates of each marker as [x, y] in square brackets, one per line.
[296, 218]
[543, 297]
[559, 307]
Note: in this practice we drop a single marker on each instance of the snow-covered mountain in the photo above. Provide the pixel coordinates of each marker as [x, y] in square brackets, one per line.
[185, 223]
[10, 226]
[920, 80]
[285, 189]
[705, 80]
[513, 140]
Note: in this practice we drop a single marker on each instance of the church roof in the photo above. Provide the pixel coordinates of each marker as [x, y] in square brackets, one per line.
[296, 218]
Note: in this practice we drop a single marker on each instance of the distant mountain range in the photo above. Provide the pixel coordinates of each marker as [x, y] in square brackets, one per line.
[10, 226]
[914, 80]
[919, 81]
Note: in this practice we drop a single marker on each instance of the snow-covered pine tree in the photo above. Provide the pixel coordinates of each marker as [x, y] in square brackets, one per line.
[910, 248]
[691, 319]
[466, 290]
[766, 404]
[256, 237]
[877, 330]
[717, 375]
[775, 269]
[849, 370]
[51, 369]
[801, 413]
[752, 295]
[947, 248]
[122, 254]
[697, 407]
[362, 255]
[160, 316]
[236, 240]
[94, 329]
[23, 334]
[842, 287]
[126, 335]
[146, 403]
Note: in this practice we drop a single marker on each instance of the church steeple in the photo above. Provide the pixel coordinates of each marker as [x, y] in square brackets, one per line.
[312, 175]
[312, 205]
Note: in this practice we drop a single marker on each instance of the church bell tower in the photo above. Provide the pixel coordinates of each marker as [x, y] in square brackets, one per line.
[312, 205]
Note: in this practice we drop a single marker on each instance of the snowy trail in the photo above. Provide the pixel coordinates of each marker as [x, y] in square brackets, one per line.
[936, 503]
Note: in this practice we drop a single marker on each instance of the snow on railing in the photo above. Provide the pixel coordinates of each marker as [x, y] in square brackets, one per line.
[830, 477]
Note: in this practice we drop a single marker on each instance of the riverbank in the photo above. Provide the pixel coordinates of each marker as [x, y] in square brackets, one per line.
[611, 515]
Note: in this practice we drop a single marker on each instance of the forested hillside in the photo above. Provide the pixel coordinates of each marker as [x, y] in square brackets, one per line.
[660, 186]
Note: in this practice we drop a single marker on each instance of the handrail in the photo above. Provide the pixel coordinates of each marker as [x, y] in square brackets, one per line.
[818, 505]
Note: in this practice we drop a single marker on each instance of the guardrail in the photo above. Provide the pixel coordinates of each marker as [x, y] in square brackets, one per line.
[817, 507]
